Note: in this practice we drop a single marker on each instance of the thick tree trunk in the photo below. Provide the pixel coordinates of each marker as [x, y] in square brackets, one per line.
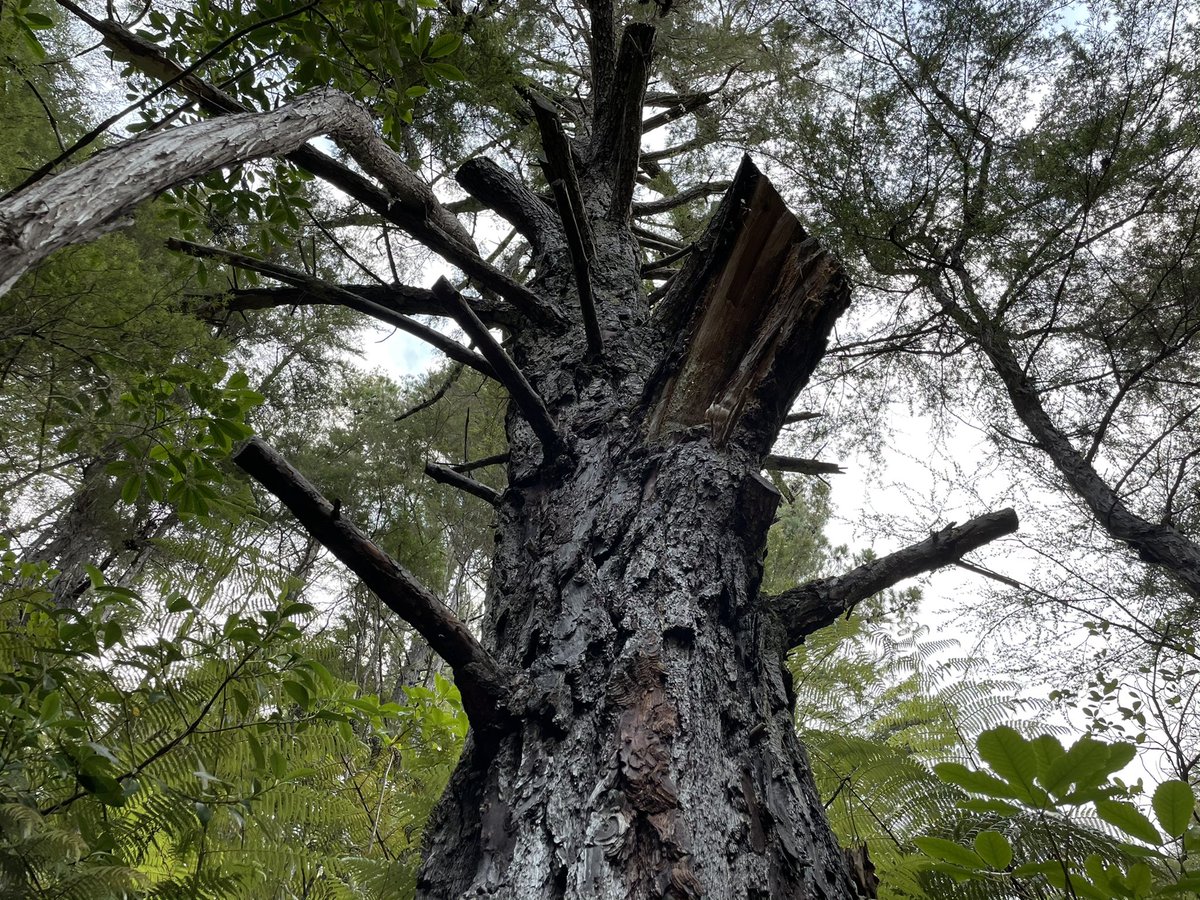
[663, 760]
[658, 756]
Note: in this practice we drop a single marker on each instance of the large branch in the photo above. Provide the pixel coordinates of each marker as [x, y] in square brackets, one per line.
[332, 294]
[486, 688]
[90, 199]
[503, 193]
[617, 137]
[812, 606]
[407, 202]
[1154, 542]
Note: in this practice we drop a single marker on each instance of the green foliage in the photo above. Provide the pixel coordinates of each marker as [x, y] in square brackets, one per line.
[1036, 802]
[185, 753]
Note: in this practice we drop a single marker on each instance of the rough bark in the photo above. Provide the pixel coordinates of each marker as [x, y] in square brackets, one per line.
[90, 199]
[657, 756]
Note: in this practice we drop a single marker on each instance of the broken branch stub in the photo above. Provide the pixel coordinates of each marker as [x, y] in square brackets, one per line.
[751, 313]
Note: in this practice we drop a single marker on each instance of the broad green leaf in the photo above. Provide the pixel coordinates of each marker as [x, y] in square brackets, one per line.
[948, 851]
[994, 849]
[976, 782]
[1012, 758]
[104, 787]
[1084, 757]
[1129, 819]
[444, 45]
[1047, 748]
[1173, 805]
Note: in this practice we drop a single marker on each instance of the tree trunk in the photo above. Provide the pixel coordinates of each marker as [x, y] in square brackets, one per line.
[659, 756]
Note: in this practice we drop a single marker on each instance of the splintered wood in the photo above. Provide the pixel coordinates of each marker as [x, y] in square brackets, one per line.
[756, 304]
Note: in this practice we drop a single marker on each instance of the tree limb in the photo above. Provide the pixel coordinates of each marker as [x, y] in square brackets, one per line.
[812, 606]
[332, 294]
[531, 405]
[499, 191]
[616, 141]
[448, 476]
[92, 198]
[407, 202]
[401, 299]
[801, 466]
[496, 460]
[486, 688]
[687, 195]
[560, 161]
[581, 263]
[1154, 542]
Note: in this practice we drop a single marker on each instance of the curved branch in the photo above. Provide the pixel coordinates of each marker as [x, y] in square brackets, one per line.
[407, 202]
[812, 606]
[91, 199]
[487, 689]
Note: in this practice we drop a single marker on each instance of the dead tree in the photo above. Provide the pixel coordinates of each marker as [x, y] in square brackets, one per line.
[631, 714]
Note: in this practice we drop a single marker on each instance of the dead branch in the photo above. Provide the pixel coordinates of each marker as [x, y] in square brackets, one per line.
[801, 466]
[494, 460]
[332, 294]
[486, 688]
[581, 263]
[499, 191]
[666, 204]
[454, 479]
[812, 606]
[531, 405]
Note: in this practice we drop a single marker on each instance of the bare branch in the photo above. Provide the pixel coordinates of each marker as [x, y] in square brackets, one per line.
[448, 476]
[666, 204]
[560, 160]
[805, 416]
[486, 688]
[686, 105]
[812, 606]
[323, 292]
[497, 190]
[531, 405]
[495, 460]
[412, 207]
[801, 466]
[581, 262]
